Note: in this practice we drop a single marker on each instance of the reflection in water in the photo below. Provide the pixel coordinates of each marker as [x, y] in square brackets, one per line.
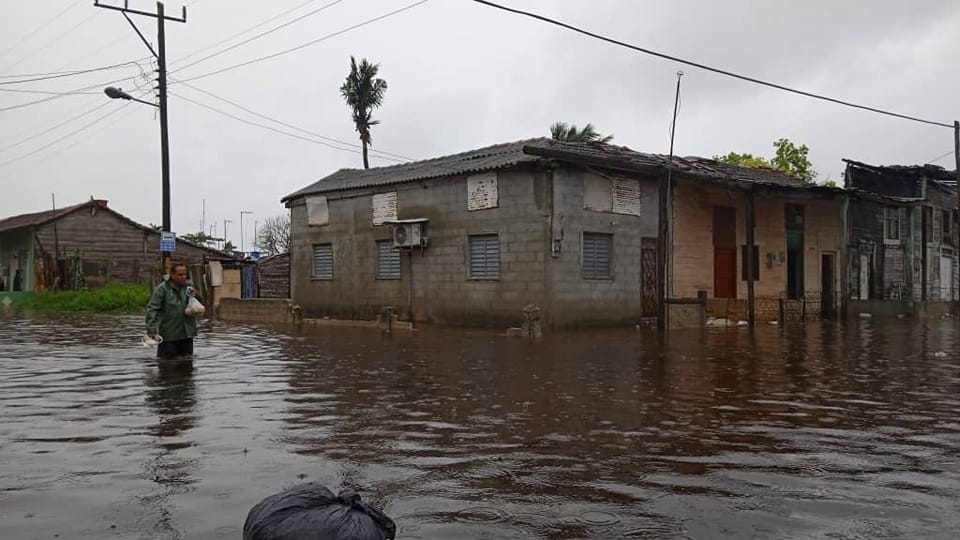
[170, 392]
[844, 431]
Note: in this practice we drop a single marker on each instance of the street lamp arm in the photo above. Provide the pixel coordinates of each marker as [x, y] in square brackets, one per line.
[117, 93]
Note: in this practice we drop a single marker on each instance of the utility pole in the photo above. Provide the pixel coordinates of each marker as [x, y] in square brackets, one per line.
[242, 212]
[956, 226]
[161, 57]
[225, 233]
[663, 257]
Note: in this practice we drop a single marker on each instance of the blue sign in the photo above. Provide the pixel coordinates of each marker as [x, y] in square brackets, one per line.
[254, 254]
[168, 241]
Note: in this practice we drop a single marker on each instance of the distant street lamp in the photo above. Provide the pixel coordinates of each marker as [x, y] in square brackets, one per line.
[242, 212]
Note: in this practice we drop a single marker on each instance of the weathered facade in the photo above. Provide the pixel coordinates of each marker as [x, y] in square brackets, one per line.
[568, 228]
[109, 247]
[902, 235]
[273, 275]
[796, 229]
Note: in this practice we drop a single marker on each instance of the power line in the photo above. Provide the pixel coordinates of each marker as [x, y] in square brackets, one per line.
[68, 135]
[74, 92]
[270, 128]
[309, 43]
[936, 159]
[47, 92]
[296, 128]
[104, 103]
[709, 68]
[52, 42]
[260, 35]
[60, 74]
[242, 32]
[49, 21]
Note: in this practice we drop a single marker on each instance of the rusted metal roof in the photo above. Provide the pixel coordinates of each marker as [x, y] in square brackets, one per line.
[40, 218]
[500, 156]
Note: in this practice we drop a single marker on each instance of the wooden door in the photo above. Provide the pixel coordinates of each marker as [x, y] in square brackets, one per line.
[724, 252]
[648, 276]
[827, 288]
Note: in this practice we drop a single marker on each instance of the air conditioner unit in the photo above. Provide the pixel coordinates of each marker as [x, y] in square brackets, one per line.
[407, 235]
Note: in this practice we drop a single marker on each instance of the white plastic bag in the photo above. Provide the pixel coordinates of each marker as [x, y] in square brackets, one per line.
[194, 307]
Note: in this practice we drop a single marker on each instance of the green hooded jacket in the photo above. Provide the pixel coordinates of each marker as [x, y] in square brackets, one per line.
[165, 312]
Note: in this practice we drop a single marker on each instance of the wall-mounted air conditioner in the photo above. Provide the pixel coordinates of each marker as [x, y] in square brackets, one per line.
[409, 233]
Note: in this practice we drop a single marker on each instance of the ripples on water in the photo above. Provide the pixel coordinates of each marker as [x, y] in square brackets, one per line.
[823, 431]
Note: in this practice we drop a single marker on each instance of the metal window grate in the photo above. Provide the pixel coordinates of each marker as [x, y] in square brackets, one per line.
[388, 260]
[597, 255]
[484, 256]
[323, 261]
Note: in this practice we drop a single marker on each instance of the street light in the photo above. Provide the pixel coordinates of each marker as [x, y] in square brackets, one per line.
[117, 93]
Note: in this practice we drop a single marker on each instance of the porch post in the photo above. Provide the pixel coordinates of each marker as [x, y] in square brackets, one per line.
[750, 270]
[845, 275]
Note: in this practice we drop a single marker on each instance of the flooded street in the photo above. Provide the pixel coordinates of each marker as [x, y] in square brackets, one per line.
[807, 432]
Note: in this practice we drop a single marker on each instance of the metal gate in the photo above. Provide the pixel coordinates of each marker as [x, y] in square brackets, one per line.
[648, 276]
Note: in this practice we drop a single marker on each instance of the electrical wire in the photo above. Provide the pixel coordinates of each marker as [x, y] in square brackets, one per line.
[307, 44]
[938, 158]
[49, 21]
[270, 128]
[242, 32]
[74, 92]
[68, 135]
[60, 74]
[260, 35]
[104, 103]
[296, 128]
[47, 92]
[710, 68]
[50, 43]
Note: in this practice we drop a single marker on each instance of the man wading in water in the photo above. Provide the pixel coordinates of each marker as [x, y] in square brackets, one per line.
[165, 315]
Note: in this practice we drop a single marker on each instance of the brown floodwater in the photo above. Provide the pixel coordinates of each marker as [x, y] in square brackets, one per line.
[823, 431]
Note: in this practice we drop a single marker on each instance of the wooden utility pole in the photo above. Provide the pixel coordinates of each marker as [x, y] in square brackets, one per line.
[750, 264]
[161, 56]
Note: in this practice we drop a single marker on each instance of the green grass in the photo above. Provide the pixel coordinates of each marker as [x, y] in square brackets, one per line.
[114, 297]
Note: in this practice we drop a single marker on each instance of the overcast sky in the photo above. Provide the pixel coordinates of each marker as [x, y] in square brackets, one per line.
[461, 76]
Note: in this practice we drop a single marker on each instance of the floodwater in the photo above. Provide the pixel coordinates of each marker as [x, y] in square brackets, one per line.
[823, 431]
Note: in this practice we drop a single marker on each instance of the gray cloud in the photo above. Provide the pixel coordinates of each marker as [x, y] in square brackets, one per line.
[461, 76]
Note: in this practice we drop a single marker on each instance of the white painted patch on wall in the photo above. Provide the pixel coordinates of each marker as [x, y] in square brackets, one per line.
[482, 191]
[318, 212]
[597, 193]
[384, 207]
[626, 196]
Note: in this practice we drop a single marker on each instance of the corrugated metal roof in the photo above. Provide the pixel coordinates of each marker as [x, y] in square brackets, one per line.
[509, 154]
[39, 218]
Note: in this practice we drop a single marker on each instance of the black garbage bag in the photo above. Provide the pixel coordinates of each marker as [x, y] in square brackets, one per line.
[312, 512]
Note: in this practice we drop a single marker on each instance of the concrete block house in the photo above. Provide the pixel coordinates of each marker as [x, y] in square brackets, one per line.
[568, 227]
[903, 238]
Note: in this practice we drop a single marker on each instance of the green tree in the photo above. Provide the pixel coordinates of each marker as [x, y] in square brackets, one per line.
[200, 238]
[788, 158]
[363, 92]
[792, 159]
[229, 247]
[561, 131]
[744, 160]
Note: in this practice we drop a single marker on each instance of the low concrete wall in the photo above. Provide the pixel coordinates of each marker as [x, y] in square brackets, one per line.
[879, 308]
[265, 310]
[680, 316]
[936, 310]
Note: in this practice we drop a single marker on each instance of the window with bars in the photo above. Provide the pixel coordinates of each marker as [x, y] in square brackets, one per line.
[323, 261]
[388, 260]
[597, 256]
[484, 252]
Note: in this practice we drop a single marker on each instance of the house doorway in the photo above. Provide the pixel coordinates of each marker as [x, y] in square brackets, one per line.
[828, 305]
[946, 276]
[795, 243]
[724, 252]
[648, 276]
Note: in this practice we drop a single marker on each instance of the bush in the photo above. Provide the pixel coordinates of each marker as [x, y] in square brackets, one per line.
[113, 297]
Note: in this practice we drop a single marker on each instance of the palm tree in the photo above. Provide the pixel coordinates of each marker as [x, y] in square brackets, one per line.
[561, 131]
[363, 93]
